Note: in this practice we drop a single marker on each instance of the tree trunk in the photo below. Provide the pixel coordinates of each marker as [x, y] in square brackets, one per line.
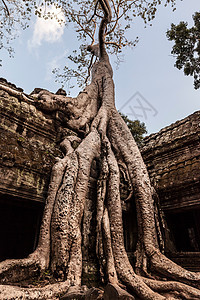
[108, 139]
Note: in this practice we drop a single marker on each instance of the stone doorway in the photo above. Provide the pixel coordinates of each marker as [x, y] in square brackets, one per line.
[185, 231]
[19, 226]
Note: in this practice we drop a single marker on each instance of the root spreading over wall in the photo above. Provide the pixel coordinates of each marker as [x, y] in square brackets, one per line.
[106, 138]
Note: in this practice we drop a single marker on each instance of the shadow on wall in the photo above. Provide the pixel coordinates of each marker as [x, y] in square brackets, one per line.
[19, 226]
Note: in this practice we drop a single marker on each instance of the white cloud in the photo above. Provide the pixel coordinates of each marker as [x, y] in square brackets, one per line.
[49, 30]
[55, 63]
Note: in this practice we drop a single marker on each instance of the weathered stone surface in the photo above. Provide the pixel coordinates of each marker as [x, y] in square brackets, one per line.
[27, 149]
[114, 292]
[29, 144]
[173, 159]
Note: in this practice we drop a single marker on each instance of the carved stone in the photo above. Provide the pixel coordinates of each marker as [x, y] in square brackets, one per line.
[29, 144]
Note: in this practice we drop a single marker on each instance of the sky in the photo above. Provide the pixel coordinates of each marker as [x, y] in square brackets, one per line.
[147, 85]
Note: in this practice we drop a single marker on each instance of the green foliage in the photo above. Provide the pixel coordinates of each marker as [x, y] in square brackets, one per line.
[187, 47]
[137, 128]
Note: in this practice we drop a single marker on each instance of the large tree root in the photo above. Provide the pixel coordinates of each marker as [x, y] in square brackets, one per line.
[8, 292]
[107, 138]
[156, 259]
[73, 172]
[19, 269]
[64, 212]
[68, 211]
[185, 291]
[122, 264]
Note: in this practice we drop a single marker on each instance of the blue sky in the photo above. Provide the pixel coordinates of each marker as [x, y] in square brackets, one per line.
[153, 90]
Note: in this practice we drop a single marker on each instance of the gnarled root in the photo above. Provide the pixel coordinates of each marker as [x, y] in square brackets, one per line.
[164, 266]
[66, 199]
[60, 235]
[145, 210]
[68, 210]
[48, 292]
[15, 270]
[122, 264]
[19, 269]
[183, 290]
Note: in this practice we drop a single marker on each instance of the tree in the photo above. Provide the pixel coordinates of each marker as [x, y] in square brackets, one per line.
[16, 15]
[136, 128]
[108, 139]
[187, 48]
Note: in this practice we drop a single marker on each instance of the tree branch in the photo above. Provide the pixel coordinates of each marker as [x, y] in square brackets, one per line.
[6, 7]
[95, 12]
[118, 45]
[122, 14]
[82, 28]
[15, 93]
[117, 16]
[107, 19]
[89, 68]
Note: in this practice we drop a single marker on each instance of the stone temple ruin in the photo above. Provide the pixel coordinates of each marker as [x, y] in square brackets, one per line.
[29, 143]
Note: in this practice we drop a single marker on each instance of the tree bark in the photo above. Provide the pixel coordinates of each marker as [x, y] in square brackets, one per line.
[107, 138]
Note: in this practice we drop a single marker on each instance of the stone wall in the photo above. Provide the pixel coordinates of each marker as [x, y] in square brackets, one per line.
[27, 149]
[27, 152]
[172, 157]
[29, 143]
